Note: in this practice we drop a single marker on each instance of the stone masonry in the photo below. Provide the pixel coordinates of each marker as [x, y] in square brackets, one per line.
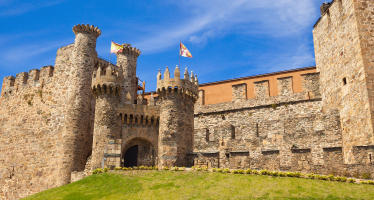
[177, 98]
[106, 87]
[59, 123]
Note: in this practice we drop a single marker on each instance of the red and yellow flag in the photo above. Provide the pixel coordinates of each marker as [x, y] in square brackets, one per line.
[183, 51]
[116, 48]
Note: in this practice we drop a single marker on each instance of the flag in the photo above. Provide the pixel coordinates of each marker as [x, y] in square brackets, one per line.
[116, 48]
[183, 51]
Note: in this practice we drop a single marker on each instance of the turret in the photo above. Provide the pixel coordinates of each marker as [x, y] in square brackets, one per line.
[127, 60]
[177, 98]
[106, 87]
[76, 139]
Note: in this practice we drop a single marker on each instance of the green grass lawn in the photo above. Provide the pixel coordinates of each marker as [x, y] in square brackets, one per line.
[203, 185]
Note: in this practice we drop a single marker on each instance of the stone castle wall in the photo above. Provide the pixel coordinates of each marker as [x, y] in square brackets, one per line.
[342, 40]
[288, 132]
[32, 120]
[267, 132]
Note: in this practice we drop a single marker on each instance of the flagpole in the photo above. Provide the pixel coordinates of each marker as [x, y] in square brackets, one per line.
[110, 55]
[180, 55]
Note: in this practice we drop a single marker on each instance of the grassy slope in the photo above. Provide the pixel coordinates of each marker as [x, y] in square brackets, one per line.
[202, 185]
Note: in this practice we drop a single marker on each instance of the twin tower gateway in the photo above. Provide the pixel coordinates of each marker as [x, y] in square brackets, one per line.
[117, 102]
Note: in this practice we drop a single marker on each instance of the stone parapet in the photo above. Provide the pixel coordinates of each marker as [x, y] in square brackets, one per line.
[128, 49]
[86, 29]
[35, 78]
[139, 114]
[107, 81]
[185, 88]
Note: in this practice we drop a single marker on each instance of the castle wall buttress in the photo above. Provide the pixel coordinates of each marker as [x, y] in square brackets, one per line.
[77, 141]
[344, 54]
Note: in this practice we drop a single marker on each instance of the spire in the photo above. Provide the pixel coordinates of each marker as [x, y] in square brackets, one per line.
[167, 73]
[192, 78]
[177, 73]
[159, 75]
[186, 75]
[128, 98]
[196, 81]
[98, 73]
[109, 70]
[151, 100]
[140, 99]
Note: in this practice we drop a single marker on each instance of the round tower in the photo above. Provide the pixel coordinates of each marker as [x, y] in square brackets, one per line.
[177, 98]
[106, 87]
[127, 60]
[76, 139]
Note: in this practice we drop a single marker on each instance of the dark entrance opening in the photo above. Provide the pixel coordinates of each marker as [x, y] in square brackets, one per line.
[131, 157]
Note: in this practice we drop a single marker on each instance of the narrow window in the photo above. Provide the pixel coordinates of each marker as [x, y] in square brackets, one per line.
[258, 135]
[344, 81]
[207, 134]
[232, 132]
[370, 158]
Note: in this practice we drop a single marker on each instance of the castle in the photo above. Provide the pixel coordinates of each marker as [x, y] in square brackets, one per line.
[59, 123]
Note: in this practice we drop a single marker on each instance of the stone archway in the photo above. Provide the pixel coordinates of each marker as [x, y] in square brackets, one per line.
[138, 152]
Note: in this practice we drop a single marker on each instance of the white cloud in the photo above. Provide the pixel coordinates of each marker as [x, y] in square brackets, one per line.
[29, 51]
[209, 17]
[202, 40]
[10, 8]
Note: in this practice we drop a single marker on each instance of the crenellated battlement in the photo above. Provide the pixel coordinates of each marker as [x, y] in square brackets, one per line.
[186, 88]
[128, 49]
[107, 80]
[34, 78]
[139, 114]
[86, 29]
[330, 12]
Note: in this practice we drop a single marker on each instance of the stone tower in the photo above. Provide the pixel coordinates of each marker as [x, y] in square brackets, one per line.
[344, 50]
[127, 60]
[177, 98]
[106, 87]
[76, 139]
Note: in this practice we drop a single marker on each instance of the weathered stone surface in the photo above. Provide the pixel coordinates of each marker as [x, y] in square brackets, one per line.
[177, 98]
[344, 54]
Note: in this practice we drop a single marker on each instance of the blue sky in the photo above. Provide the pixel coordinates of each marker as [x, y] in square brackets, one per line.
[228, 39]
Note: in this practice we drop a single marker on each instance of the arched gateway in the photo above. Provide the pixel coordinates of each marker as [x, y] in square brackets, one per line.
[137, 152]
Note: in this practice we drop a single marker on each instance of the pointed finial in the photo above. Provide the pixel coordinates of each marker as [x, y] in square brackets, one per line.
[196, 81]
[98, 73]
[167, 73]
[186, 75]
[177, 73]
[192, 78]
[159, 75]
[109, 71]
[151, 100]
[128, 96]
